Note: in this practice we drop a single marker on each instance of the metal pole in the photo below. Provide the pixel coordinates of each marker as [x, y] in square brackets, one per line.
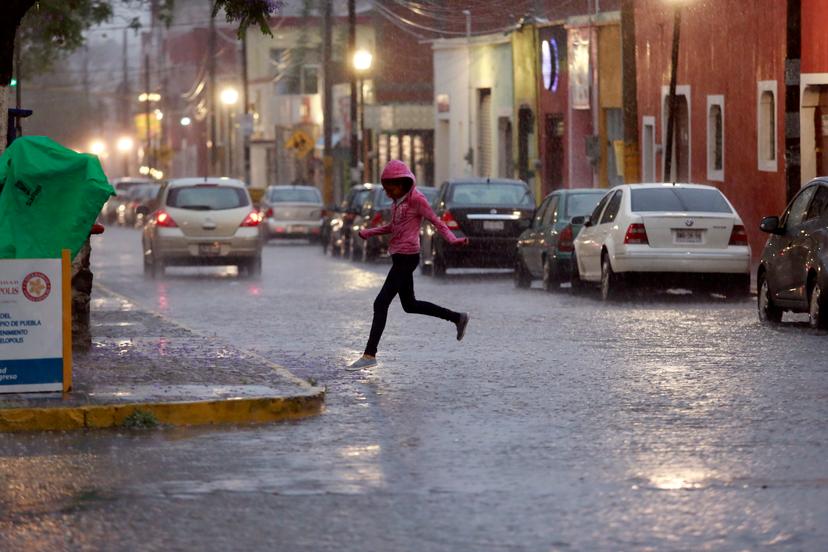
[671, 118]
[353, 79]
[470, 152]
[211, 91]
[247, 123]
[327, 108]
[18, 93]
[148, 153]
[362, 141]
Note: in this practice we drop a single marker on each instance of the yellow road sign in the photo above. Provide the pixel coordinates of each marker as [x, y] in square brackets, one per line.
[300, 143]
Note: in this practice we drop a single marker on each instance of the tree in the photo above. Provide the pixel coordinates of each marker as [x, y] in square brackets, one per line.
[55, 27]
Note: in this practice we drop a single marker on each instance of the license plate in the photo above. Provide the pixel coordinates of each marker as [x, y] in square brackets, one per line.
[209, 249]
[688, 236]
[492, 225]
[298, 230]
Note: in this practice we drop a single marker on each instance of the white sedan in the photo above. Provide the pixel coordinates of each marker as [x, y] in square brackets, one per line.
[681, 234]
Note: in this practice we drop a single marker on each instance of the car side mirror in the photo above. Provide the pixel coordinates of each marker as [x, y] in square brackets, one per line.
[771, 225]
[580, 220]
[142, 210]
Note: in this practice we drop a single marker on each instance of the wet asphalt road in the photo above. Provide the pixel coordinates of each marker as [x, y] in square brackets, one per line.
[559, 423]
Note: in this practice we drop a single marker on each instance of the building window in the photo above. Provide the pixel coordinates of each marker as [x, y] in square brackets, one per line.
[294, 71]
[715, 138]
[766, 125]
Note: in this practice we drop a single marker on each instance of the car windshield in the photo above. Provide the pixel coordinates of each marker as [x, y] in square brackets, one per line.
[490, 193]
[124, 186]
[207, 198]
[582, 204]
[294, 195]
[679, 199]
[383, 200]
[359, 198]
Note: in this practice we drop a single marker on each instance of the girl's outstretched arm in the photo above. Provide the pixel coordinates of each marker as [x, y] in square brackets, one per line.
[377, 231]
[427, 213]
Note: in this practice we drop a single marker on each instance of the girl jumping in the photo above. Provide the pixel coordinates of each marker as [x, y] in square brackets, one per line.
[409, 209]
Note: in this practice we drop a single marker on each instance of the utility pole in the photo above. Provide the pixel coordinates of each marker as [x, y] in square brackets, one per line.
[211, 92]
[18, 93]
[353, 79]
[470, 152]
[148, 157]
[671, 118]
[247, 124]
[631, 165]
[793, 163]
[327, 107]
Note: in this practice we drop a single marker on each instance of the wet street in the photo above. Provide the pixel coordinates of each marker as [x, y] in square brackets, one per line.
[673, 422]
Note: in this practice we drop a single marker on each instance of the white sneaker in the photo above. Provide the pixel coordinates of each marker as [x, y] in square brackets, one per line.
[361, 362]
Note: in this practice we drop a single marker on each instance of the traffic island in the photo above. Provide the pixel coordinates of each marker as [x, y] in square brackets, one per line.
[144, 369]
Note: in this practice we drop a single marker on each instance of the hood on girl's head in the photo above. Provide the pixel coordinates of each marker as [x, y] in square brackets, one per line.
[397, 169]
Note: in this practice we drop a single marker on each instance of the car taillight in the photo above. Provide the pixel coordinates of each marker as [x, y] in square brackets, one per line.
[636, 234]
[448, 218]
[565, 240]
[269, 213]
[738, 236]
[253, 218]
[163, 218]
[376, 220]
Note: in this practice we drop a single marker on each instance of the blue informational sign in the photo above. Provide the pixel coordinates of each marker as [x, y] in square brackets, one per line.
[35, 325]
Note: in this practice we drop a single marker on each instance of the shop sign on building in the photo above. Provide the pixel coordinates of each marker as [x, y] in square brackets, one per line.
[35, 325]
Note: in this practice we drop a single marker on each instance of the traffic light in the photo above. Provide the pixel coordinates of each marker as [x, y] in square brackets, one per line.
[13, 82]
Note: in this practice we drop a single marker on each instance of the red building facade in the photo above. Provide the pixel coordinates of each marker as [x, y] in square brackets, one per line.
[730, 129]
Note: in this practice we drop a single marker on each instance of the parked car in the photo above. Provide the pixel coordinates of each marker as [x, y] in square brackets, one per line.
[111, 209]
[340, 224]
[491, 212]
[291, 212]
[142, 195]
[376, 211]
[792, 271]
[203, 221]
[544, 251]
[683, 234]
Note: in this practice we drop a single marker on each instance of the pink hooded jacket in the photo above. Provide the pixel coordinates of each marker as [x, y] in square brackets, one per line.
[406, 216]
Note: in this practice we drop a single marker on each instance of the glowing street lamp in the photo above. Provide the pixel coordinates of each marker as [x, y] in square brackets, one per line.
[362, 60]
[229, 97]
[186, 121]
[125, 144]
[97, 147]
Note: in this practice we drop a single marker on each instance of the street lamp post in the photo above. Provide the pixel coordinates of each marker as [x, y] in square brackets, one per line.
[362, 64]
[229, 97]
[124, 146]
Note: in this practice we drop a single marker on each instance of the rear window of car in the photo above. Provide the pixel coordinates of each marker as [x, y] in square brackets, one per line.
[359, 198]
[429, 193]
[295, 195]
[679, 199]
[490, 193]
[207, 198]
[581, 204]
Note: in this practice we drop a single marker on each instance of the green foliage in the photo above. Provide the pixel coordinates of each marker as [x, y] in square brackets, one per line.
[248, 13]
[141, 419]
[53, 28]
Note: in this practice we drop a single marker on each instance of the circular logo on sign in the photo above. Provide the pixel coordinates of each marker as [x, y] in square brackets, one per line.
[36, 286]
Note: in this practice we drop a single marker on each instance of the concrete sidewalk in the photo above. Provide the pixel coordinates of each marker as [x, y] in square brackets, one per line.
[145, 368]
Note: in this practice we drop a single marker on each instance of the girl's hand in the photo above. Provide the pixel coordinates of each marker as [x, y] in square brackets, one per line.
[360, 234]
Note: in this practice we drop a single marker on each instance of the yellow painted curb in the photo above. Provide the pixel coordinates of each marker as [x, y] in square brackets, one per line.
[226, 411]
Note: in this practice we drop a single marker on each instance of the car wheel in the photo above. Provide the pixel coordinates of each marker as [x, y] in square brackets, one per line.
[523, 279]
[252, 267]
[425, 269]
[610, 281]
[818, 312]
[157, 268]
[768, 312]
[147, 267]
[438, 265]
[551, 280]
[578, 285]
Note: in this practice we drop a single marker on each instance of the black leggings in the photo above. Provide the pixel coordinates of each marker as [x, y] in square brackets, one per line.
[401, 280]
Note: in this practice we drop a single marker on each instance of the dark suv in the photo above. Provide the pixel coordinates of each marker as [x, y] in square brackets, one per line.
[339, 226]
[490, 212]
[792, 271]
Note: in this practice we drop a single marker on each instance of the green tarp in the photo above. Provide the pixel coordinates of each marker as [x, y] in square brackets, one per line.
[50, 197]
